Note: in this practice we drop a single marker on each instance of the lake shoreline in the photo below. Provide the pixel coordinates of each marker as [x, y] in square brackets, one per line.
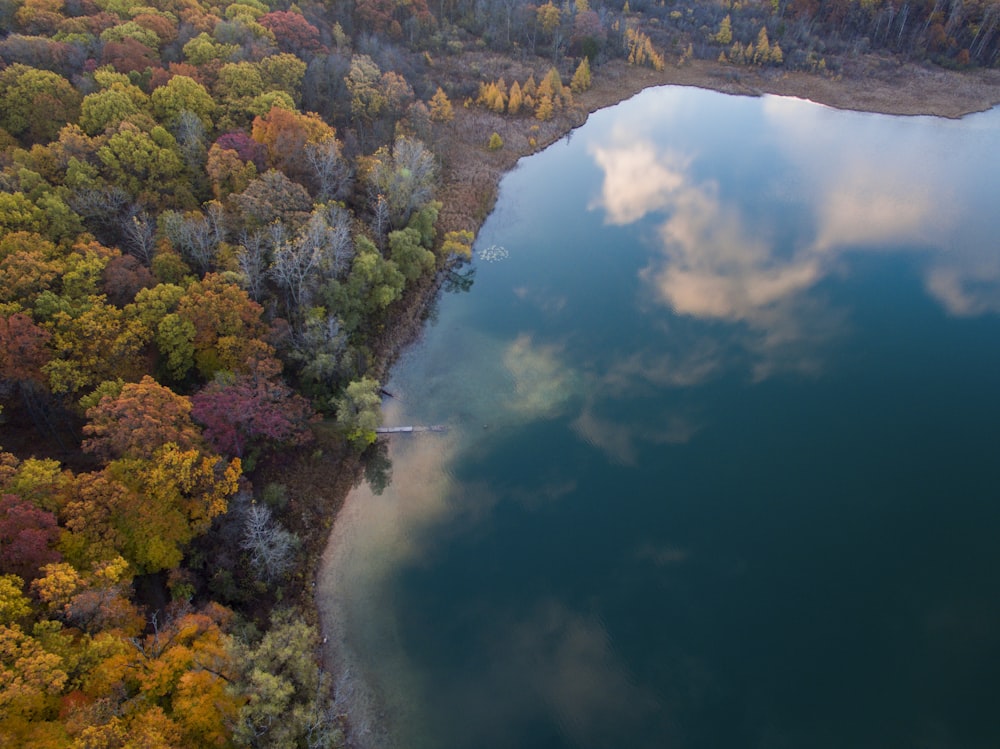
[875, 85]
[471, 178]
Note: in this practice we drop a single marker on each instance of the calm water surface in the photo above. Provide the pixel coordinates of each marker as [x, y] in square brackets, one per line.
[722, 467]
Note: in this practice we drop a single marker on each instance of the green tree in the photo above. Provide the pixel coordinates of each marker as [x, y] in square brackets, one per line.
[239, 81]
[116, 102]
[359, 411]
[35, 104]
[283, 72]
[143, 163]
[286, 696]
[131, 30]
[182, 94]
[409, 255]
[19, 214]
[203, 49]
[372, 285]
[99, 343]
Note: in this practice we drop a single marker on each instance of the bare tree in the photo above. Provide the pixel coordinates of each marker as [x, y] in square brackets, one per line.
[197, 235]
[297, 261]
[404, 178]
[254, 258]
[271, 547]
[380, 220]
[320, 348]
[140, 237]
[107, 211]
[320, 251]
[330, 169]
[190, 133]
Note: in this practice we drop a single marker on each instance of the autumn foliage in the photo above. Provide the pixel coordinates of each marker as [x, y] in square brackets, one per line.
[28, 536]
[252, 408]
[140, 419]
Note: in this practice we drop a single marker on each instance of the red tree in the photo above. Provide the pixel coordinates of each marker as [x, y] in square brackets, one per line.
[250, 408]
[247, 148]
[128, 55]
[22, 348]
[27, 535]
[124, 277]
[294, 33]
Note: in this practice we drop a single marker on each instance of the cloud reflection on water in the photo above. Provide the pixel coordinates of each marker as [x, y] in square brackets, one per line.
[715, 261]
[710, 263]
[901, 190]
[688, 367]
[859, 195]
[542, 382]
[638, 179]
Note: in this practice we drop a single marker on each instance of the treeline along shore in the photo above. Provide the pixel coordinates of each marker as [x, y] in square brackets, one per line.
[220, 223]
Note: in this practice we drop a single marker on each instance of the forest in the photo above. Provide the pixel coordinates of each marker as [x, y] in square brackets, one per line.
[212, 218]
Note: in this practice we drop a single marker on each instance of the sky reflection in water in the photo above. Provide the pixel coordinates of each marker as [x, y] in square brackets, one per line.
[660, 481]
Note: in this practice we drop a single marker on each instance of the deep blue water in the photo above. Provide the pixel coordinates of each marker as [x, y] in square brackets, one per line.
[722, 464]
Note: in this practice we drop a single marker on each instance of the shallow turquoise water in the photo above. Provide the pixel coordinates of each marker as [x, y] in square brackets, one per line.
[722, 462]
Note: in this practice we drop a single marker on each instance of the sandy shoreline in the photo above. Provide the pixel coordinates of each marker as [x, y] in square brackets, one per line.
[472, 175]
[356, 702]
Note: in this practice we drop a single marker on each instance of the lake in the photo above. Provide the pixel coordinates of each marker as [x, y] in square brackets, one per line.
[721, 468]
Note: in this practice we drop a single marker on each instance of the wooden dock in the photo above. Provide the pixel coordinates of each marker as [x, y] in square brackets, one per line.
[410, 429]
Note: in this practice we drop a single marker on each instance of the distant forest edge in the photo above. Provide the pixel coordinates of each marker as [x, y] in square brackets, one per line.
[213, 218]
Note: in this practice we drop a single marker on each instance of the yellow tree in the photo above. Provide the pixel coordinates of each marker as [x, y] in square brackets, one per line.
[218, 325]
[724, 35]
[544, 109]
[441, 109]
[227, 172]
[529, 91]
[31, 677]
[147, 510]
[516, 99]
[762, 52]
[555, 84]
[496, 99]
[581, 78]
[548, 17]
[100, 343]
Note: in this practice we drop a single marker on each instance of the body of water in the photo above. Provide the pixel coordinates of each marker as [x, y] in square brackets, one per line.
[721, 468]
